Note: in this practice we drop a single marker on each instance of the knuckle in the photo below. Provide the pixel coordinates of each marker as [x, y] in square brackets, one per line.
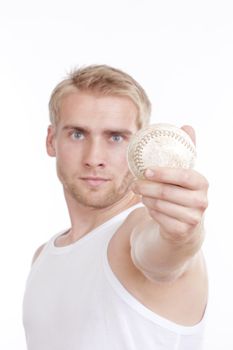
[163, 192]
[193, 221]
[201, 202]
[179, 231]
[184, 230]
[157, 205]
[204, 203]
[153, 213]
[183, 233]
[186, 177]
[205, 183]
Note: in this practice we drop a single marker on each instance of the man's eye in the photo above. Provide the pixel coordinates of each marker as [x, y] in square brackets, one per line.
[77, 135]
[117, 138]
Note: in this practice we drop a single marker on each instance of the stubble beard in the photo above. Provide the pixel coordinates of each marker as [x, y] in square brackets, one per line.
[95, 198]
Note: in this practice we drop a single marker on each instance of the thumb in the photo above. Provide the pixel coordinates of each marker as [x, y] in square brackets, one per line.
[190, 131]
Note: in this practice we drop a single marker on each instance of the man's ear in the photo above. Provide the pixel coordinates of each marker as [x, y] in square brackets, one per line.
[50, 141]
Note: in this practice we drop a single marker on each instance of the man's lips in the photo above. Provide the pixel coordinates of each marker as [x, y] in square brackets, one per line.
[94, 181]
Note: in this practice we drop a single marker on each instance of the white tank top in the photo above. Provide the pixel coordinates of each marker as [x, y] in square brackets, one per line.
[73, 301]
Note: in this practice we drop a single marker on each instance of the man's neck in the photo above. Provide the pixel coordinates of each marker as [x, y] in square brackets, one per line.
[84, 218]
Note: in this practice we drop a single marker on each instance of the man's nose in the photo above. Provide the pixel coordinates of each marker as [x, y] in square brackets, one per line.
[94, 155]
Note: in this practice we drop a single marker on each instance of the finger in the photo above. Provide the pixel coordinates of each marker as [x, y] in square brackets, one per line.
[171, 193]
[185, 214]
[190, 131]
[187, 178]
[174, 229]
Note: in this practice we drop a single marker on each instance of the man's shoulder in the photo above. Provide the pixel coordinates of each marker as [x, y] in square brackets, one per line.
[52, 240]
[38, 252]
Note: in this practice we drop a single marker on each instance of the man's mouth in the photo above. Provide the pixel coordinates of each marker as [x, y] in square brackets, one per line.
[94, 181]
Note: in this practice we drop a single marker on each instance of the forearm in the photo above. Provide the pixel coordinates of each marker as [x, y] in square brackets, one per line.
[162, 256]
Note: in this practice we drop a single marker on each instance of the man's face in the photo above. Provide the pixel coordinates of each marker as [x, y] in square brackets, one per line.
[90, 143]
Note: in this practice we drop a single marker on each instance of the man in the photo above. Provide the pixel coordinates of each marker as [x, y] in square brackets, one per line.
[129, 273]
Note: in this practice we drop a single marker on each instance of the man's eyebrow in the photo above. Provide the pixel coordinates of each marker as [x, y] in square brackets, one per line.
[118, 131]
[75, 127]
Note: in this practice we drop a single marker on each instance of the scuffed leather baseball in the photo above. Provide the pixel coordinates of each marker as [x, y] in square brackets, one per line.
[160, 145]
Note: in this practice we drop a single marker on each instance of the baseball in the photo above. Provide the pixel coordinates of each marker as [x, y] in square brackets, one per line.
[162, 145]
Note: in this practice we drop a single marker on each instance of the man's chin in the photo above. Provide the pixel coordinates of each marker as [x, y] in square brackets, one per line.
[97, 200]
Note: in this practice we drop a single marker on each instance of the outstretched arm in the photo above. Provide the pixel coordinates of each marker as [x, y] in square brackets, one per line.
[168, 241]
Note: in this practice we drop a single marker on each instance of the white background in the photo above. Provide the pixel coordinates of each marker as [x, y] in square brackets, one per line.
[181, 52]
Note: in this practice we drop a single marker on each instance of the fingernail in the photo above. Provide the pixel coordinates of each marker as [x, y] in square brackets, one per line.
[149, 173]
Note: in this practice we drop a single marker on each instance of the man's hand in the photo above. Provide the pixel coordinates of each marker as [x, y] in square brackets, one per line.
[176, 198]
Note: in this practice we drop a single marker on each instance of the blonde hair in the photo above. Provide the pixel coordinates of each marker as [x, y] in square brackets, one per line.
[102, 80]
